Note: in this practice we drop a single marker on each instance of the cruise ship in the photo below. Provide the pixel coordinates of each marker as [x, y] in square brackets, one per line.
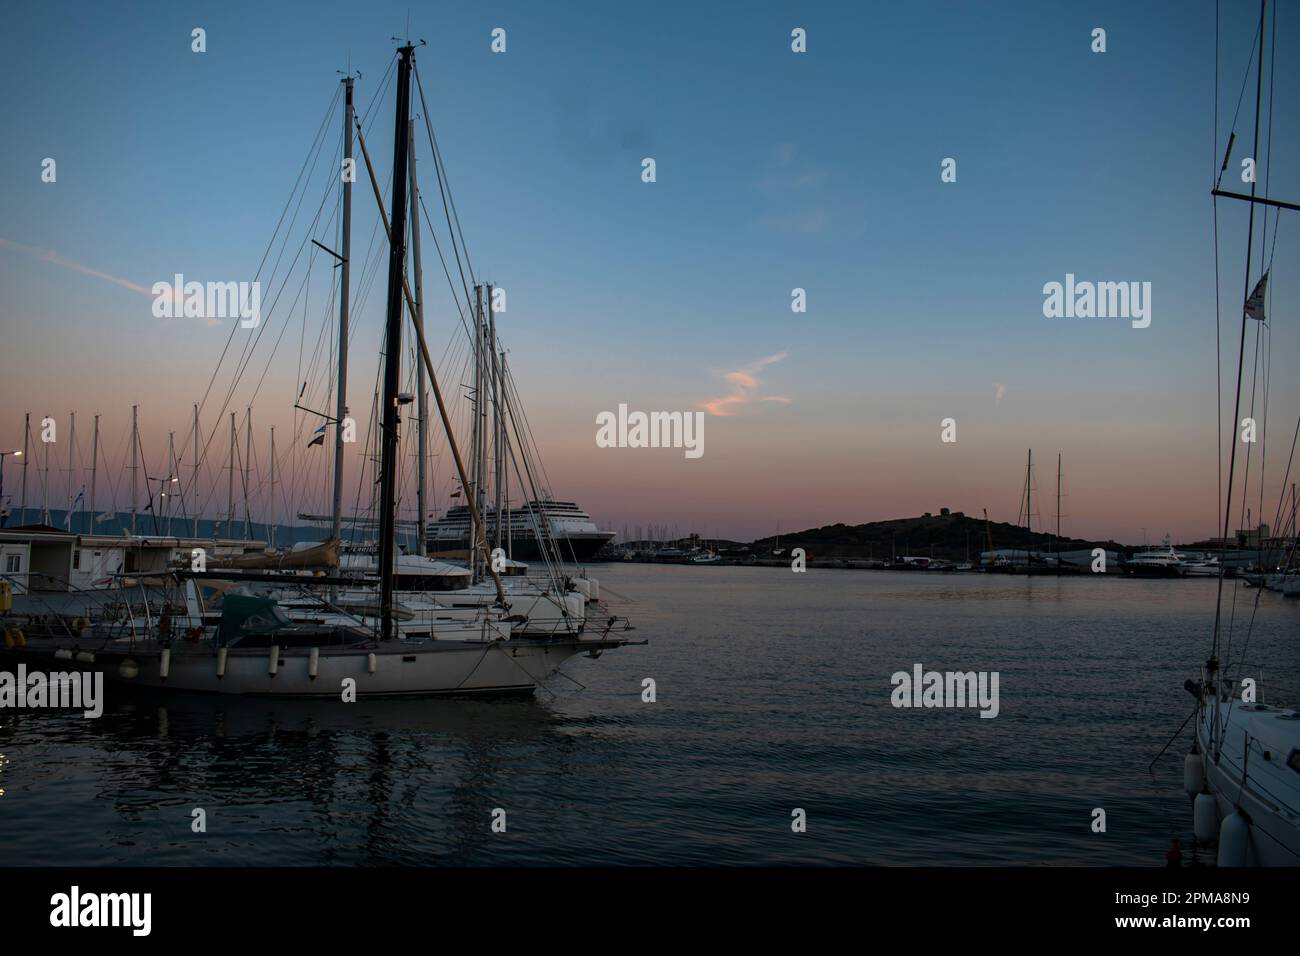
[574, 532]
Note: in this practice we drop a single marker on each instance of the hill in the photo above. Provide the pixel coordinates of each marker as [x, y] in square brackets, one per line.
[950, 536]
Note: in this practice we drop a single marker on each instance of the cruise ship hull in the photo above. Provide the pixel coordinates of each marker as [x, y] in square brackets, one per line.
[576, 536]
[573, 547]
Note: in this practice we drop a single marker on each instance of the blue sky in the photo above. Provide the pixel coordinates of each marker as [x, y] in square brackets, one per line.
[774, 170]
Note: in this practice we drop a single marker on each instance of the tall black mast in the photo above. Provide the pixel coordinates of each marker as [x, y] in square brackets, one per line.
[393, 346]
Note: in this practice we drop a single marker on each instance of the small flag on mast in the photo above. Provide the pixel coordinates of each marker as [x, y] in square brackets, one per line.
[67, 518]
[319, 439]
[1255, 304]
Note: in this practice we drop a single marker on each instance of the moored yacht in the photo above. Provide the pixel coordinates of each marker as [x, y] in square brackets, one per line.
[395, 640]
[1163, 562]
[1244, 775]
[1202, 567]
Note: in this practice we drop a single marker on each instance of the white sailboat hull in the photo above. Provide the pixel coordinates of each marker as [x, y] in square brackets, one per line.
[402, 669]
[1270, 792]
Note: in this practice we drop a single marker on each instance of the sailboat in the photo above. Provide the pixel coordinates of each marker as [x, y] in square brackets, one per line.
[1243, 771]
[256, 648]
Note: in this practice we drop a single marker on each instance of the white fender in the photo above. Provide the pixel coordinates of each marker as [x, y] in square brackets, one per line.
[1234, 837]
[1193, 774]
[1205, 818]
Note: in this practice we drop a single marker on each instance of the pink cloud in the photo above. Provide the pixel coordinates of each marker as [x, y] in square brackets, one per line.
[745, 384]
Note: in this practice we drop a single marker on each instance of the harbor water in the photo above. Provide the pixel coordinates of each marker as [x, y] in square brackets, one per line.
[772, 695]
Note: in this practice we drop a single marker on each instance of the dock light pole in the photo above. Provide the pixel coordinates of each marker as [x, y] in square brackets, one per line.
[4, 512]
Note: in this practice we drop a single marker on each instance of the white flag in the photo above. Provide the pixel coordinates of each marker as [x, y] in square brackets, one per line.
[67, 518]
[1255, 304]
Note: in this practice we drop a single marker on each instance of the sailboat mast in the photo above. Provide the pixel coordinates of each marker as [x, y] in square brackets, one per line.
[94, 473]
[341, 405]
[476, 443]
[503, 457]
[421, 395]
[135, 449]
[45, 485]
[230, 483]
[393, 345]
[496, 412]
[194, 527]
[271, 512]
[172, 470]
[1029, 493]
[462, 475]
[72, 440]
[248, 459]
[484, 400]
[27, 434]
[1058, 496]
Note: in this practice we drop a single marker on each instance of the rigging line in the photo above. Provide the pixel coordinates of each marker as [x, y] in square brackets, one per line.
[1218, 360]
[451, 283]
[532, 449]
[321, 364]
[1250, 449]
[444, 190]
[1277, 515]
[1268, 150]
[1214, 147]
[1152, 764]
[1263, 331]
[380, 90]
[518, 408]
[250, 344]
[1286, 477]
[455, 214]
[251, 347]
[541, 527]
[1245, 485]
[1245, 77]
[1214, 202]
[1241, 352]
[1277, 219]
[271, 244]
[230, 395]
[302, 332]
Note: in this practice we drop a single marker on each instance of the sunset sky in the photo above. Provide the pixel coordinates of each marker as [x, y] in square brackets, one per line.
[775, 171]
